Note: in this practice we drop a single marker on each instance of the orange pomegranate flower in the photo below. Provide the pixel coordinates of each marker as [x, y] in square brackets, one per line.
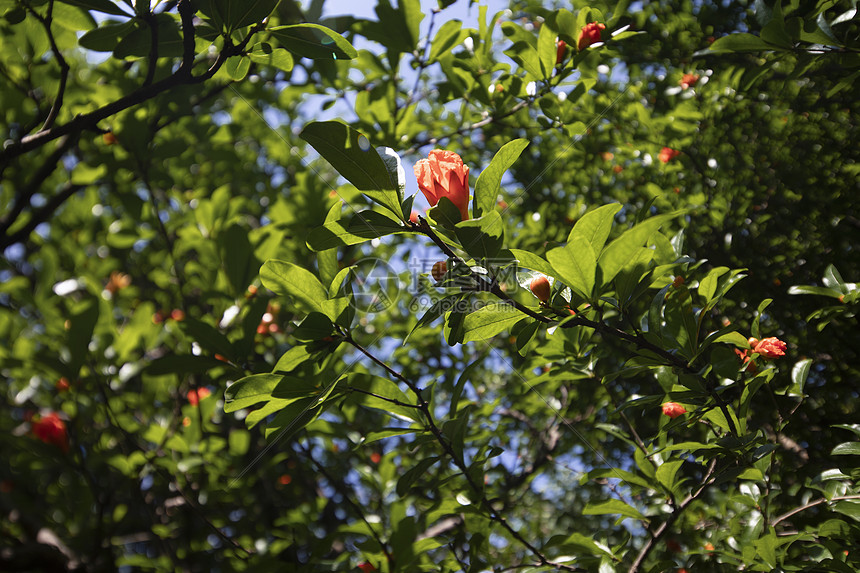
[673, 409]
[51, 429]
[590, 35]
[770, 347]
[443, 174]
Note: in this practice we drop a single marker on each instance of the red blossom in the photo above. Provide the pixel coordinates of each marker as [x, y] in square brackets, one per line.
[443, 174]
[673, 409]
[590, 35]
[770, 347]
[667, 154]
[52, 430]
[744, 355]
[689, 80]
[366, 567]
[561, 49]
[194, 396]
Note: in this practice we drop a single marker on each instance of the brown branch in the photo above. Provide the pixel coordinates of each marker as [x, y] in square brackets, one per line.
[22, 198]
[182, 76]
[797, 510]
[64, 66]
[40, 216]
[342, 489]
[424, 406]
[676, 513]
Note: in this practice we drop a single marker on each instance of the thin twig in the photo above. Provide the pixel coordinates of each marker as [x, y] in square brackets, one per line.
[804, 507]
[424, 406]
[707, 481]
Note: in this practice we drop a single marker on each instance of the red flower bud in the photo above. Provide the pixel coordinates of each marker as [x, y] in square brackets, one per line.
[689, 80]
[770, 347]
[194, 396]
[673, 409]
[366, 567]
[540, 287]
[52, 430]
[667, 154]
[590, 34]
[413, 216]
[62, 384]
[438, 271]
[444, 175]
[177, 314]
[679, 280]
[561, 49]
[375, 457]
[109, 138]
[285, 479]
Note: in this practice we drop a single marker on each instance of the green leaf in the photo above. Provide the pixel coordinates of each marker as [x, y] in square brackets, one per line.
[708, 285]
[315, 326]
[546, 49]
[576, 264]
[595, 226]
[314, 41]
[488, 321]
[263, 53]
[351, 154]
[666, 474]
[846, 449]
[284, 278]
[741, 42]
[82, 323]
[490, 179]
[766, 547]
[381, 394]
[531, 261]
[849, 508]
[613, 507]
[404, 484]
[449, 35]
[250, 390]
[619, 253]
[617, 473]
[106, 37]
[361, 227]
[237, 67]
[231, 15]
[208, 337]
[816, 290]
[482, 237]
[237, 256]
[799, 374]
[105, 6]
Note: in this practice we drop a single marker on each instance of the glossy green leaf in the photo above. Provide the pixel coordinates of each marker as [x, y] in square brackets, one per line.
[351, 154]
[105, 6]
[612, 507]
[576, 264]
[487, 187]
[362, 226]
[285, 278]
[740, 42]
[489, 321]
[595, 226]
[618, 253]
[313, 41]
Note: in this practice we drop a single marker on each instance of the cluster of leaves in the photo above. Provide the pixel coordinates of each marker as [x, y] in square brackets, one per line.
[174, 256]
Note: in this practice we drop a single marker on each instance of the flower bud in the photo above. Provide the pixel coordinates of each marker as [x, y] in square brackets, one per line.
[673, 409]
[540, 287]
[438, 271]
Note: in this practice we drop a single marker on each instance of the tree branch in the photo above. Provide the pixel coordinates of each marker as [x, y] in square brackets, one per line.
[424, 406]
[676, 513]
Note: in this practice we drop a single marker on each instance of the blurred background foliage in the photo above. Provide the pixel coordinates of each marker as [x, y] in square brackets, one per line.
[132, 247]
